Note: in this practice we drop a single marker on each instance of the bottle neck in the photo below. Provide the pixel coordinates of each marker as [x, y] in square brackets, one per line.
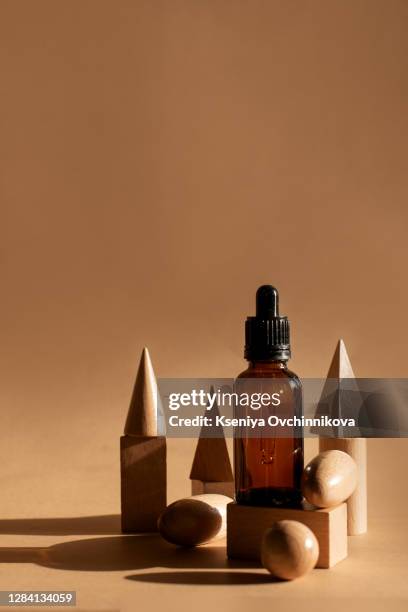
[269, 365]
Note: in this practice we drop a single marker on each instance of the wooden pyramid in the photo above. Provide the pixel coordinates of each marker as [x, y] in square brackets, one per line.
[211, 470]
[348, 400]
[340, 366]
[340, 396]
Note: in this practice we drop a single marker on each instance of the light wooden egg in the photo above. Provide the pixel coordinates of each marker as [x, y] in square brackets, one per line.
[194, 520]
[289, 550]
[329, 479]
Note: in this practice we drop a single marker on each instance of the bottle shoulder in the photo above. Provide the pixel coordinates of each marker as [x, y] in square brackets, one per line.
[294, 377]
[268, 372]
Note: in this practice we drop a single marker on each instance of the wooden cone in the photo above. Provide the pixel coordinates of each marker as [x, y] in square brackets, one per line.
[211, 471]
[143, 455]
[142, 418]
[340, 368]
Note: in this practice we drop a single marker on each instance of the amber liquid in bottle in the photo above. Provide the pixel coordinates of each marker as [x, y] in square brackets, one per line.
[268, 467]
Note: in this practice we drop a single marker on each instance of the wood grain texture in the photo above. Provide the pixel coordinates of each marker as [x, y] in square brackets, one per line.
[143, 482]
[329, 478]
[357, 502]
[246, 526]
[289, 549]
[194, 520]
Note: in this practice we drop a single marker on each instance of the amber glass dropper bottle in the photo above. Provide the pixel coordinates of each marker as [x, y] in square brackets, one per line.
[268, 468]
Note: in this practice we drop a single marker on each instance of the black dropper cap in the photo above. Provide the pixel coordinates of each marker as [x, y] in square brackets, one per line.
[267, 334]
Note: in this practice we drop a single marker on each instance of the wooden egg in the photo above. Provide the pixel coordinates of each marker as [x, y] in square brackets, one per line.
[289, 550]
[329, 479]
[194, 520]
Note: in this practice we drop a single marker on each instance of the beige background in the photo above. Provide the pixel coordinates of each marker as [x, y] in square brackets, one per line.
[159, 160]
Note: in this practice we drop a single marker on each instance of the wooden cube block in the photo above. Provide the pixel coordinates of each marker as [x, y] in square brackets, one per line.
[198, 487]
[247, 524]
[143, 482]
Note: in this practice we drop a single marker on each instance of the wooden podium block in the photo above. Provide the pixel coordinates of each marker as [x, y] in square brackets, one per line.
[247, 524]
[199, 487]
[143, 482]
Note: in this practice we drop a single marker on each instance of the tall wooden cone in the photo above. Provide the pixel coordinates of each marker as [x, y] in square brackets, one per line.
[143, 455]
[340, 368]
[142, 418]
[211, 471]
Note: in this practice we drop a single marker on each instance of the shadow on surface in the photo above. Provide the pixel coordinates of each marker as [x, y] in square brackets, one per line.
[205, 578]
[108, 524]
[121, 553]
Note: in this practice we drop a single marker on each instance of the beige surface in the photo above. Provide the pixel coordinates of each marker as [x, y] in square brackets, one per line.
[158, 161]
[61, 479]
